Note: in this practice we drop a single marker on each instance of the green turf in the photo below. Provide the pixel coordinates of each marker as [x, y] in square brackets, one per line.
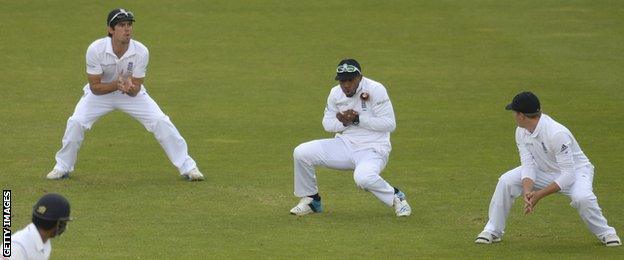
[246, 81]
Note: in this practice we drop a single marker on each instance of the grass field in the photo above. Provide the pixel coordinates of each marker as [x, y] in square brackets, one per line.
[246, 81]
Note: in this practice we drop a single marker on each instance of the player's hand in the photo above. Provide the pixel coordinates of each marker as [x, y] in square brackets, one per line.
[119, 83]
[534, 197]
[129, 85]
[347, 117]
[350, 114]
[341, 118]
[344, 117]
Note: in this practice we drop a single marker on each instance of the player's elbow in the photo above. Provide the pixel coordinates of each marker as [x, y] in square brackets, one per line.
[95, 90]
[392, 126]
[389, 126]
[329, 127]
[566, 181]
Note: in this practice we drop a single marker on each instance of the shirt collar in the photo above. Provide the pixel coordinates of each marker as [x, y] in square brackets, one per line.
[361, 85]
[538, 128]
[109, 48]
[34, 233]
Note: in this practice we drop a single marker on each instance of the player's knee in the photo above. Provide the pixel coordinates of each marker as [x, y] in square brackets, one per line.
[302, 152]
[505, 184]
[76, 124]
[505, 178]
[161, 127]
[75, 130]
[365, 181]
[74, 121]
[582, 200]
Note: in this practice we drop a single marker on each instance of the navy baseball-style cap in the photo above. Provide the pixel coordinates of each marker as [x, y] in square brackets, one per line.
[52, 207]
[117, 15]
[348, 69]
[525, 102]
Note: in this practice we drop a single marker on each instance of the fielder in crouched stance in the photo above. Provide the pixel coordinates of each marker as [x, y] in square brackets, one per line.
[551, 161]
[360, 112]
[116, 67]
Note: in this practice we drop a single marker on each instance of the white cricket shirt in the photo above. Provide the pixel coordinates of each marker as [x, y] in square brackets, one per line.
[376, 117]
[102, 60]
[27, 244]
[551, 148]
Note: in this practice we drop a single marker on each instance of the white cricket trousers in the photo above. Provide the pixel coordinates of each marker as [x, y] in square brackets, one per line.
[582, 198]
[142, 107]
[335, 154]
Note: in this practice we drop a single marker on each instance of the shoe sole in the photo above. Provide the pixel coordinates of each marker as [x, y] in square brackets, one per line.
[301, 214]
[65, 176]
[613, 244]
[483, 240]
[188, 178]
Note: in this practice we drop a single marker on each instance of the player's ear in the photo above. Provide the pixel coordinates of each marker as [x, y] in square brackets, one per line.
[523, 116]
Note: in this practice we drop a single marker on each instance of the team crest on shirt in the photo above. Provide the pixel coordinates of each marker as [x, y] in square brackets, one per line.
[130, 67]
[364, 97]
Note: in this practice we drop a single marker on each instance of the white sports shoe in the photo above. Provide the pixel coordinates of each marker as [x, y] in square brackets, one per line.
[401, 207]
[487, 238]
[193, 175]
[306, 206]
[611, 240]
[57, 175]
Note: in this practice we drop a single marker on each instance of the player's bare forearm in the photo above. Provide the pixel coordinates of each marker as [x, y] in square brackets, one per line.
[532, 198]
[99, 88]
[527, 194]
[550, 189]
[527, 185]
[103, 88]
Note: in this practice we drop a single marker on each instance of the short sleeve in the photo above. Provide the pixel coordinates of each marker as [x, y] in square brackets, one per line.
[141, 64]
[94, 66]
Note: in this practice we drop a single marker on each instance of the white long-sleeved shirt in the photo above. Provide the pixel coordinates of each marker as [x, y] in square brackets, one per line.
[376, 116]
[551, 148]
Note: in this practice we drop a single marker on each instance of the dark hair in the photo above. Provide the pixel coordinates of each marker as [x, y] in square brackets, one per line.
[118, 15]
[532, 115]
[44, 224]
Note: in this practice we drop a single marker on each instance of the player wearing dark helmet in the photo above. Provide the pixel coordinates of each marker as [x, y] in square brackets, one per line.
[49, 219]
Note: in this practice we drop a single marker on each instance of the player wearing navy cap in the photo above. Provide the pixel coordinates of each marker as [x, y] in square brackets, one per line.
[551, 161]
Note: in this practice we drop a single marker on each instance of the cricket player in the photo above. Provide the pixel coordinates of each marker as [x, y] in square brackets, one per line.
[551, 161]
[49, 220]
[116, 67]
[359, 111]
